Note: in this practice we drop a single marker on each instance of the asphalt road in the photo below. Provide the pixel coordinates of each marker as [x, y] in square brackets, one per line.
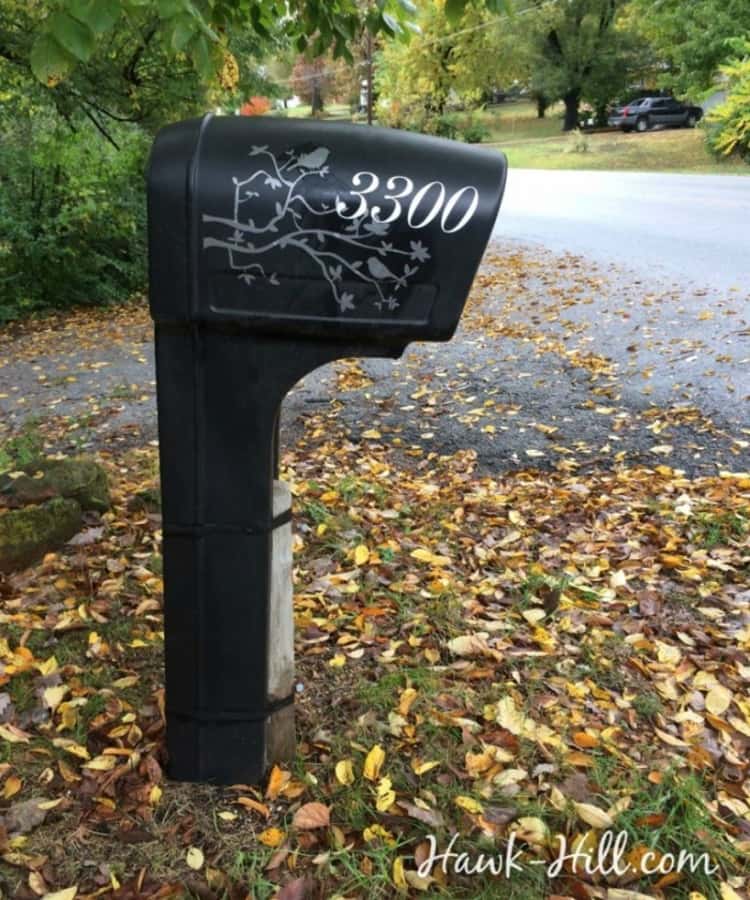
[688, 228]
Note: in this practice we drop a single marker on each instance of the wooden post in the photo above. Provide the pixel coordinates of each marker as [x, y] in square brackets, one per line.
[280, 737]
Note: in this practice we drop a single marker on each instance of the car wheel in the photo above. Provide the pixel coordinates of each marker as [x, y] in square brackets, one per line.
[642, 125]
[692, 121]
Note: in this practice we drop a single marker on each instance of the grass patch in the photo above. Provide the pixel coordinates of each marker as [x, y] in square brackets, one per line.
[677, 150]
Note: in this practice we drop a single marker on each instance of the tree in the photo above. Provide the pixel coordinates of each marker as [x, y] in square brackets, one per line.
[577, 52]
[310, 81]
[692, 40]
[463, 58]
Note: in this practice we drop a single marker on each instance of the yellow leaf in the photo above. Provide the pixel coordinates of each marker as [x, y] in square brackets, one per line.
[718, 700]
[272, 837]
[510, 776]
[668, 654]
[532, 830]
[671, 739]
[478, 763]
[71, 747]
[12, 786]
[53, 696]
[386, 796]
[277, 781]
[154, 795]
[468, 644]
[375, 832]
[419, 767]
[372, 434]
[337, 661]
[374, 763]
[102, 764]
[432, 558]
[194, 858]
[469, 804]
[13, 735]
[593, 816]
[66, 894]
[361, 555]
[227, 816]
[508, 716]
[408, 696]
[345, 772]
[728, 892]
[557, 799]
[399, 878]
[256, 805]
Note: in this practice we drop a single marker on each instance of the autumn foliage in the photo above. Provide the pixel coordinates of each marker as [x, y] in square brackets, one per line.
[255, 106]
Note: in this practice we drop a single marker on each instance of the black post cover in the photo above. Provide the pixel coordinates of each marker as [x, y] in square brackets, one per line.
[276, 246]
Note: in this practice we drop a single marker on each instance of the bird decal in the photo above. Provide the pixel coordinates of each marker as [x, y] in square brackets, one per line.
[312, 160]
[379, 270]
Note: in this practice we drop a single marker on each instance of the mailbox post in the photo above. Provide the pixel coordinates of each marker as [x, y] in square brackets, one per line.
[275, 247]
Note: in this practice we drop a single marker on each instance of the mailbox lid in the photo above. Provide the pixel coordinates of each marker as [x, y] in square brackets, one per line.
[319, 229]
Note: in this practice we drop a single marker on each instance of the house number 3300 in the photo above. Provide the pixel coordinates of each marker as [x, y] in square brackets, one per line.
[427, 204]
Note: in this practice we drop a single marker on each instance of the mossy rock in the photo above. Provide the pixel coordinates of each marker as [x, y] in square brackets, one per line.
[27, 534]
[81, 480]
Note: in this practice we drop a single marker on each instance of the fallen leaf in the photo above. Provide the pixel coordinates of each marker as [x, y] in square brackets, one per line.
[593, 816]
[374, 763]
[194, 858]
[312, 815]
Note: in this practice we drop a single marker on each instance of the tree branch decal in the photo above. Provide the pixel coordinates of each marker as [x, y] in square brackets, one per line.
[359, 251]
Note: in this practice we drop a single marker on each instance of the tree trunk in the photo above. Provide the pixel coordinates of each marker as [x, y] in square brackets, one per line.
[541, 106]
[317, 98]
[571, 100]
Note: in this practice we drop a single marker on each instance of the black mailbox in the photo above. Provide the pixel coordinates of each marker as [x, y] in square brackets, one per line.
[276, 246]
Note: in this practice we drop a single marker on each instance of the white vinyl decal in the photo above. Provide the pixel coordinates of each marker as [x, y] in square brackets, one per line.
[359, 252]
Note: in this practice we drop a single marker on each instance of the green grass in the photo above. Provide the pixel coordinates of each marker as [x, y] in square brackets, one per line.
[518, 122]
[677, 150]
[330, 111]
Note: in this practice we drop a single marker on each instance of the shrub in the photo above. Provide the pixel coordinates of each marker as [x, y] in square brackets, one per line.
[729, 123]
[255, 106]
[473, 131]
[72, 217]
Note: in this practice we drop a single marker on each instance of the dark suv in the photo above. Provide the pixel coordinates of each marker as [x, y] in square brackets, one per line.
[649, 111]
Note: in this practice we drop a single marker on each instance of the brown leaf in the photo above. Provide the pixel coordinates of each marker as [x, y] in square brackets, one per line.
[312, 815]
[295, 890]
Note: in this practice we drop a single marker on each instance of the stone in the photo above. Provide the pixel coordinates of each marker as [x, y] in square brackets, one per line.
[82, 480]
[27, 534]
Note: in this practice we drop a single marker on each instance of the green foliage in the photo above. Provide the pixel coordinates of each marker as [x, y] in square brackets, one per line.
[691, 40]
[74, 29]
[451, 61]
[578, 52]
[72, 216]
[729, 123]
